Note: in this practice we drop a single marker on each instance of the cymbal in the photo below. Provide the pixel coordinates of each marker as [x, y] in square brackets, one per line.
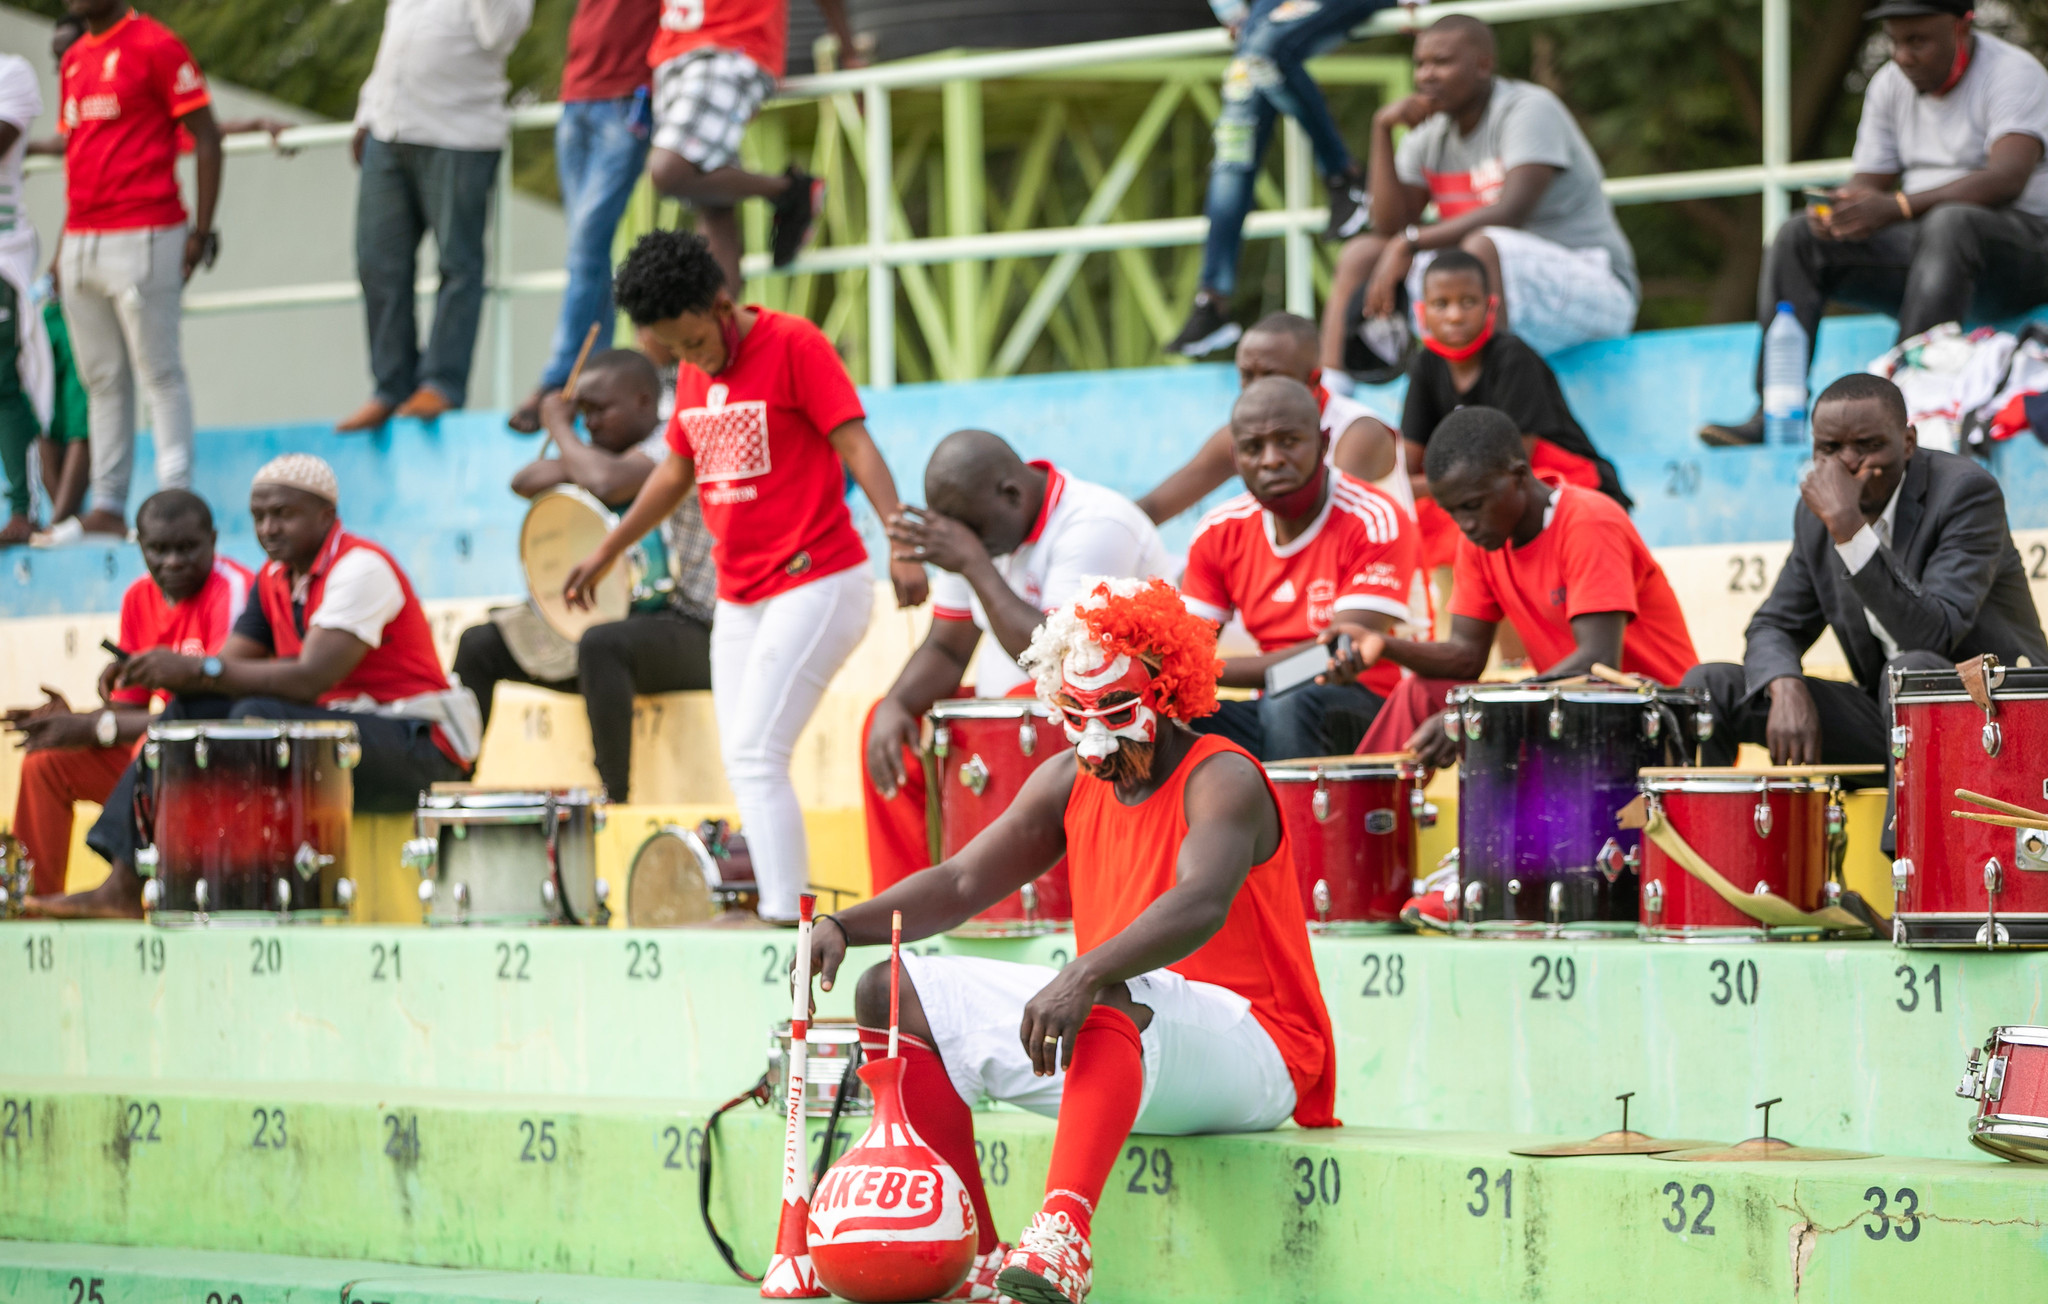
[1610, 1143]
[1762, 1149]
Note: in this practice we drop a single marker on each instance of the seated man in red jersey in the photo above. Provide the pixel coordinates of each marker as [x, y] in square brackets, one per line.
[333, 632]
[1191, 1005]
[187, 603]
[1361, 445]
[1011, 540]
[1308, 554]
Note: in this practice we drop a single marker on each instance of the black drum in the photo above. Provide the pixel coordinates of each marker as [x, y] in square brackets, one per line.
[1545, 768]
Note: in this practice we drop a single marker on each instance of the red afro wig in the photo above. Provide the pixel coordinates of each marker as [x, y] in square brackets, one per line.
[1145, 619]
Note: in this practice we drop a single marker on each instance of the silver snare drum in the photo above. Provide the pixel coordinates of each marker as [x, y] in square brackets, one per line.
[829, 1051]
[489, 856]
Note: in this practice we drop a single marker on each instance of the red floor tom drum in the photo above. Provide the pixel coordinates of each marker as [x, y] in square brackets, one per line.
[1959, 883]
[1351, 821]
[1763, 830]
[250, 819]
[983, 748]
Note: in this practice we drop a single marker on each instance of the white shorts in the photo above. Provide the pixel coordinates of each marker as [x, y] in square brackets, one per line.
[703, 101]
[1555, 297]
[1209, 1066]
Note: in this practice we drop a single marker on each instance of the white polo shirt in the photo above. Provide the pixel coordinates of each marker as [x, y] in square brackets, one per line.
[1084, 532]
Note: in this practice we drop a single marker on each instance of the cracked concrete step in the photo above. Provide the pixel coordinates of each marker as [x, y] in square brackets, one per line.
[1863, 1042]
[549, 1184]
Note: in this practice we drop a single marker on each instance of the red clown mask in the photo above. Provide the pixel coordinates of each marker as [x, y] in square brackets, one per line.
[1096, 729]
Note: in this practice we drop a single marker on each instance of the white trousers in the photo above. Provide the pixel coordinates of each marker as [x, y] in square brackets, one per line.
[1209, 1065]
[123, 301]
[770, 662]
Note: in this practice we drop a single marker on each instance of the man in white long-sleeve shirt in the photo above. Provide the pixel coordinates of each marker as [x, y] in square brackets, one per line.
[430, 129]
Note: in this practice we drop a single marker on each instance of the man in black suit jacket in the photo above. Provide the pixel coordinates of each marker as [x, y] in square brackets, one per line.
[1905, 554]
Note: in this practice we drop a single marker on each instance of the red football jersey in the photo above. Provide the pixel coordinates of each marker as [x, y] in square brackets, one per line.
[196, 627]
[1588, 559]
[121, 95]
[1359, 554]
[772, 487]
[758, 29]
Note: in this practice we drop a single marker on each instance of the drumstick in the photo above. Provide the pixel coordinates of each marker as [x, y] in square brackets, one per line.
[575, 374]
[895, 973]
[2039, 820]
[2002, 821]
[1613, 676]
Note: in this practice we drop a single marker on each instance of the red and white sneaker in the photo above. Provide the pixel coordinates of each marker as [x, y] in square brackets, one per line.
[1434, 905]
[1052, 1263]
[981, 1278]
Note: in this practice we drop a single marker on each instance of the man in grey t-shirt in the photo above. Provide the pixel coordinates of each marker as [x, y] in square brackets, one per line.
[1515, 184]
[1946, 217]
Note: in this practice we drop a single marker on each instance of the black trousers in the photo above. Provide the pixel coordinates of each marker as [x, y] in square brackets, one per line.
[400, 761]
[1855, 725]
[648, 652]
[1958, 263]
[1313, 720]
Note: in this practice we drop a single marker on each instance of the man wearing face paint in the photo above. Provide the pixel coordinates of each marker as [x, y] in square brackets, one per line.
[1307, 555]
[1010, 540]
[1905, 553]
[1946, 217]
[1192, 1005]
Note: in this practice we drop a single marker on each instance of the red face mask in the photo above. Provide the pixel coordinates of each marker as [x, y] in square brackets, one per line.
[1479, 341]
[1094, 728]
[1962, 64]
[1302, 501]
[729, 332]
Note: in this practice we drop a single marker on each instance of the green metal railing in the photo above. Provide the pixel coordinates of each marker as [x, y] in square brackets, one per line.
[997, 281]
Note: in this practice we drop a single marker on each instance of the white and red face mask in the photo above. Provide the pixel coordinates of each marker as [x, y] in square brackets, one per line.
[1097, 730]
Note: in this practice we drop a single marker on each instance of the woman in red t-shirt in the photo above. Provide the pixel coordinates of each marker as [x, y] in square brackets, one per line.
[766, 427]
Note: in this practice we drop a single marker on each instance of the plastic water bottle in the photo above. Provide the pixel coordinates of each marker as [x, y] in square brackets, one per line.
[1785, 361]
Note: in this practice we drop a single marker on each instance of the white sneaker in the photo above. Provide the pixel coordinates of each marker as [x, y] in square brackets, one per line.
[1052, 1263]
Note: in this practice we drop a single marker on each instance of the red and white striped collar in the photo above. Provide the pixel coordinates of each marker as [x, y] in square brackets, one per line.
[1055, 484]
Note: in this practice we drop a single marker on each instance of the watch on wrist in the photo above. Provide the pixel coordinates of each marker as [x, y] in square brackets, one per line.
[106, 729]
[211, 669]
[1412, 233]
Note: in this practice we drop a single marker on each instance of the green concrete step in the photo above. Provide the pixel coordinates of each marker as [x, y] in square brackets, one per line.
[1863, 1041]
[112, 1274]
[546, 1184]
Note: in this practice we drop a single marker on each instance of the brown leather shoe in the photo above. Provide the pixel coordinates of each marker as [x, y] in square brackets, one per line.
[370, 416]
[426, 404]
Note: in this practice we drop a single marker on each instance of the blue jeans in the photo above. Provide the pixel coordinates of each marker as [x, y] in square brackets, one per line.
[1313, 720]
[598, 156]
[1265, 80]
[405, 192]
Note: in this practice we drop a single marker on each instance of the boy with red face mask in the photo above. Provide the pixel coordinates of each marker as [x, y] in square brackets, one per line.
[1465, 362]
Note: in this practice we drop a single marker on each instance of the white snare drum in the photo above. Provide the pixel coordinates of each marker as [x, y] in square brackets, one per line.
[565, 525]
[829, 1049]
[685, 876]
[489, 856]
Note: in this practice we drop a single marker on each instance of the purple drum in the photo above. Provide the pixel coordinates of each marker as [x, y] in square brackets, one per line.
[1544, 769]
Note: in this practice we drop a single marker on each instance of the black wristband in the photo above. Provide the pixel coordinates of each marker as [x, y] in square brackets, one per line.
[838, 923]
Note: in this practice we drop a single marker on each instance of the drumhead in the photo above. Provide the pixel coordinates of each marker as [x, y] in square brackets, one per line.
[1777, 778]
[496, 799]
[2021, 1035]
[1602, 695]
[1310, 768]
[670, 880]
[565, 525]
[990, 708]
[180, 731]
[2014, 682]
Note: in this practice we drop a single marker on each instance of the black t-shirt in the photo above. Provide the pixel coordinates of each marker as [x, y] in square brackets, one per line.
[1515, 379]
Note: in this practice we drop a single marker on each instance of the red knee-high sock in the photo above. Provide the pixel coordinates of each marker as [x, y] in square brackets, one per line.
[935, 1109]
[1097, 1107]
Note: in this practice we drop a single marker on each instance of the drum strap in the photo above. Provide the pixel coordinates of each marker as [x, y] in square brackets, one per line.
[1764, 907]
[758, 1093]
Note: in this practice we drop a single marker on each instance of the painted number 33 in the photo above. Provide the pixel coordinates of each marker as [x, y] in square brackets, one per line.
[682, 15]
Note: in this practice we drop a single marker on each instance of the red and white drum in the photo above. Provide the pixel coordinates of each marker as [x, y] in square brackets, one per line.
[1960, 883]
[983, 748]
[1351, 821]
[1762, 830]
[2009, 1080]
[249, 819]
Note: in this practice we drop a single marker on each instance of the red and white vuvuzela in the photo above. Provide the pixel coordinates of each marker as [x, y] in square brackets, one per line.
[891, 1221]
[789, 1274]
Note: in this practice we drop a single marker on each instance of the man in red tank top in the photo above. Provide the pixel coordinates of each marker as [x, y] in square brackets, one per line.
[333, 631]
[1192, 1005]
